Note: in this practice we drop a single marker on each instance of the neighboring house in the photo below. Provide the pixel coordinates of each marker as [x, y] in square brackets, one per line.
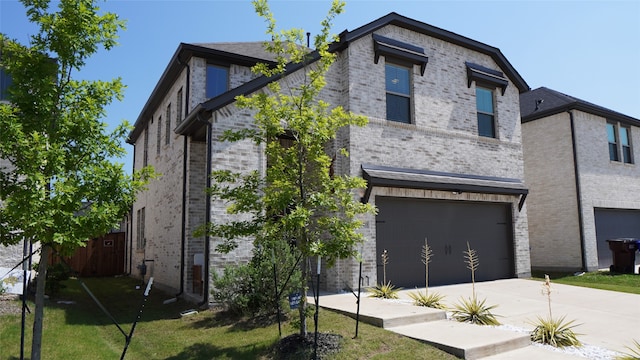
[580, 166]
[442, 155]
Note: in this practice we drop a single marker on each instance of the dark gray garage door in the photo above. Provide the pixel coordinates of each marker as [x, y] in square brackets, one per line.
[611, 224]
[402, 225]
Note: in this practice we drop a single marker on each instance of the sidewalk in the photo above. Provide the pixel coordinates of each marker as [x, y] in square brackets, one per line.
[609, 320]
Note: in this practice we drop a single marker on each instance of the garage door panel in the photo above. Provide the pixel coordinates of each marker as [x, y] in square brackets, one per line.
[404, 223]
[611, 224]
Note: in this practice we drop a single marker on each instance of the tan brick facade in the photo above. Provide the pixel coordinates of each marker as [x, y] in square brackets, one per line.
[443, 137]
[553, 204]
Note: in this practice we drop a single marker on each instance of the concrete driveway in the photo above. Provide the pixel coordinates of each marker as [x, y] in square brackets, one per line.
[607, 319]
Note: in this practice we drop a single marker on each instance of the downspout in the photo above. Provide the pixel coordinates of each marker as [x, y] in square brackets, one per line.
[183, 229]
[133, 166]
[576, 174]
[207, 238]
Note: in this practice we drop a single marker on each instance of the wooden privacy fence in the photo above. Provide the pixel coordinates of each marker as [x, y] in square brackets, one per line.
[103, 256]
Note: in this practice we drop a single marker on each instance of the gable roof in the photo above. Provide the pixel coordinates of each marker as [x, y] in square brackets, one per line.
[241, 53]
[192, 123]
[543, 102]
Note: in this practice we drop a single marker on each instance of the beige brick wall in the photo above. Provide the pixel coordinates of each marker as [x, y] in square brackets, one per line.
[552, 204]
[554, 228]
[443, 135]
[604, 183]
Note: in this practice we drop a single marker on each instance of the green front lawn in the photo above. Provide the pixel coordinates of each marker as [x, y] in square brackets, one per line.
[82, 331]
[629, 283]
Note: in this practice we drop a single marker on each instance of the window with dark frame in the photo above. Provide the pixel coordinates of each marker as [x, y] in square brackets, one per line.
[612, 138]
[140, 241]
[217, 80]
[398, 91]
[485, 110]
[179, 107]
[167, 136]
[145, 149]
[619, 142]
[159, 136]
[625, 142]
[5, 82]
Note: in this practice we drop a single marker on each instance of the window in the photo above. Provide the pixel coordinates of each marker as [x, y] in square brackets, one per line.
[140, 240]
[619, 143]
[398, 93]
[179, 107]
[167, 136]
[486, 115]
[159, 137]
[612, 137]
[145, 150]
[626, 145]
[217, 80]
[5, 82]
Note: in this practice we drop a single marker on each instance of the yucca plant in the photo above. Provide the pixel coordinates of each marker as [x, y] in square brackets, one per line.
[384, 290]
[473, 310]
[555, 332]
[634, 353]
[433, 300]
[429, 300]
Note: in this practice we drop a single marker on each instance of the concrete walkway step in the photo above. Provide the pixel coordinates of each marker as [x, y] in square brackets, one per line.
[466, 341]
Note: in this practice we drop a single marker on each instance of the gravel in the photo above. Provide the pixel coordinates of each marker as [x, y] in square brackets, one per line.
[10, 304]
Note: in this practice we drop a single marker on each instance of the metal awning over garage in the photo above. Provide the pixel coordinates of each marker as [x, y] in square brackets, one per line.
[384, 176]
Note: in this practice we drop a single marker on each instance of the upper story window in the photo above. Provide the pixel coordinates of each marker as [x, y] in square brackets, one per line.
[486, 114]
[217, 80]
[179, 106]
[145, 149]
[400, 58]
[612, 138]
[167, 138]
[159, 136]
[398, 90]
[619, 140]
[5, 82]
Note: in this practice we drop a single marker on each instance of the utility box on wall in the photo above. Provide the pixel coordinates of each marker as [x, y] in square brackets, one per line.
[103, 256]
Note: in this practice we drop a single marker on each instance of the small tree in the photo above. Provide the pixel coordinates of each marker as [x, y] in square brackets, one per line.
[299, 199]
[60, 187]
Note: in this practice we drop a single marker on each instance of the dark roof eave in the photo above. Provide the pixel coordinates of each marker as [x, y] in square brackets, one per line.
[178, 61]
[584, 107]
[417, 26]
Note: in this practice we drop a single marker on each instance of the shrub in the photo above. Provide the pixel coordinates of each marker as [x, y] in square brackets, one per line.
[555, 332]
[249, 289]
[433, 300]
[634, 353]
[384, 291]
[474, 311]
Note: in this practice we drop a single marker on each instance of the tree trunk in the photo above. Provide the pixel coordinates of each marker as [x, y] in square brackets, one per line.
[38, 318]
[302, 309]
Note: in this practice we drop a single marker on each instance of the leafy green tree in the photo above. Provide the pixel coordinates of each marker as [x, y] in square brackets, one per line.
[300, 199]
[60, 187]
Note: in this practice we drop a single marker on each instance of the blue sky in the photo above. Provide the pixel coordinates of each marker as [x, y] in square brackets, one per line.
[587, 49]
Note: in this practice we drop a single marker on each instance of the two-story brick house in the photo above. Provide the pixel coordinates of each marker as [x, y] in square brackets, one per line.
[442, 154]
[580, 166]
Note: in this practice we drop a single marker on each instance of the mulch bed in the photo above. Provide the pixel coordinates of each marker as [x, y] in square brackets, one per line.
[298, 347]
